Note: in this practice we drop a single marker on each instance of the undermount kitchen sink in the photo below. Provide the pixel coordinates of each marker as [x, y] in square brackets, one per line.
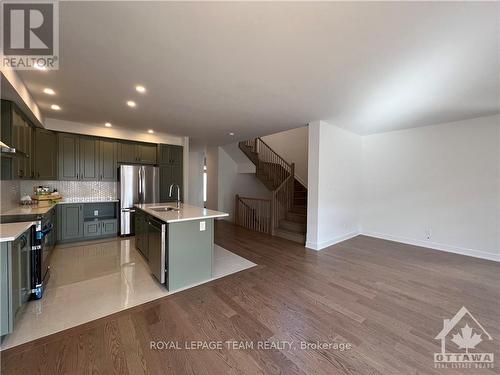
[164, 208]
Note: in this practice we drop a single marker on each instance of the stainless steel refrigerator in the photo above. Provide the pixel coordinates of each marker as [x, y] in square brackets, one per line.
[138, 184]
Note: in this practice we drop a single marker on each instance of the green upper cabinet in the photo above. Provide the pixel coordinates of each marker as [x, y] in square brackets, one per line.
[69, 157]
[170, 174]
[85, 158]
[170, 154]
[17, 132]
[108, 152]
[22, 140]
[171, 170]
[45, 155]
[146, 153]
[89, 159]
[126, 152]
[138, 153]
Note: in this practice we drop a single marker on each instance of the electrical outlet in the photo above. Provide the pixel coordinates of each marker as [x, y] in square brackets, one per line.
[203, 226]
[428, 234]
[96, 212]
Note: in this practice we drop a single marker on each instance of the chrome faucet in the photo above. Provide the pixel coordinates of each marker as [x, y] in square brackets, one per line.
[178, 194]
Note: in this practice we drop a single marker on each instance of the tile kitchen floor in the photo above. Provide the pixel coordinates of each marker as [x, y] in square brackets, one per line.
[92, 280]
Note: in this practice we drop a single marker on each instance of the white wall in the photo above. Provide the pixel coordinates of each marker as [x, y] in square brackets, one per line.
[212, 155]
[195, 188]
[443, 178]
[231, 182]
[114, 132]
[334, 185]
[292, 145]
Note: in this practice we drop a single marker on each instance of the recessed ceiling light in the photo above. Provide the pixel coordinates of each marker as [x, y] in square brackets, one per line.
[55, 107]
[151, 131]
[49, 91]
[131, 104]
[140, 89]
[108, 125]
[231, 134]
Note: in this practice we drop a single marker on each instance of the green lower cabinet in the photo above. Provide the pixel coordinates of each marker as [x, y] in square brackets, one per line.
[190, 253]
[15, 279]
[92, 228]
[141, 233]
[109, 227]
[77, 222]
[98, 228]
[71, 225]
[6, 317]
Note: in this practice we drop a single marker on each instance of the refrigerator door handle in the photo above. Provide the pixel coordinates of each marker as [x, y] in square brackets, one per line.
[139, 181]
[143, 181]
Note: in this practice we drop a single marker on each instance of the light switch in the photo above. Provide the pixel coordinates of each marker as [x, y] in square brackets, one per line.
[96, 213]
[202, 226]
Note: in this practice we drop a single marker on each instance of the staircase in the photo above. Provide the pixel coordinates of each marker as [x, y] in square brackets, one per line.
[288, 206]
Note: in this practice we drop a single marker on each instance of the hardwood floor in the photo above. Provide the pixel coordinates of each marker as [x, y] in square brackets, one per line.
[386, 299]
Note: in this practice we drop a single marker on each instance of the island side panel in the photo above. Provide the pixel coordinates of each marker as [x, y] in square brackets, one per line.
[190, 253]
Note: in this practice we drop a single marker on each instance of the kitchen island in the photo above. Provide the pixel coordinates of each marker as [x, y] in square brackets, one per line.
[176, 242]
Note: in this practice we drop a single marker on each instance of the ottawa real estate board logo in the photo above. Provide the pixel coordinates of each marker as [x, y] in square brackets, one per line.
[30, 35]
[463, 334]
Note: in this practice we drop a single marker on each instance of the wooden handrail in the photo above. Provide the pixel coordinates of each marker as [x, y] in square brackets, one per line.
[278, 175]
[278, 155]
[254, 199]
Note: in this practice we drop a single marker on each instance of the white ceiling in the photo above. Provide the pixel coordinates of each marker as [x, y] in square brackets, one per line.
[258, 68]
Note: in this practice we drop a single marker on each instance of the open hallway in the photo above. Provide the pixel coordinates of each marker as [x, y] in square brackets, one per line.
[388, 300]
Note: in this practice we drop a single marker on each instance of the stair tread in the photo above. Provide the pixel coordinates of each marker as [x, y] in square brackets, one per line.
[293, 226]
[292, 236]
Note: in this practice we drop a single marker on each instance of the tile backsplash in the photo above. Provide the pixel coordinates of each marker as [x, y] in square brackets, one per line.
[9, 194]
[75, 189]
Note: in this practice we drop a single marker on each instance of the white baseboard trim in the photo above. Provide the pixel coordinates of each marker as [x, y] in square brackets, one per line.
[333, 241]
[436, 246]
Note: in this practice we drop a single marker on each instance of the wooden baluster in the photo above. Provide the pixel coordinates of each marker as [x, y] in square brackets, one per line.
[236, 204]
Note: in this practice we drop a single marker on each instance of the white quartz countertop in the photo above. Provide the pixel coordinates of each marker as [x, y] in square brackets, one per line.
[87, 200]
[10, 231]
[36, 210]
[186, 212]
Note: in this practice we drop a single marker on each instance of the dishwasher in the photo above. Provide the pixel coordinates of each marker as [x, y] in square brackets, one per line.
[158, 258]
